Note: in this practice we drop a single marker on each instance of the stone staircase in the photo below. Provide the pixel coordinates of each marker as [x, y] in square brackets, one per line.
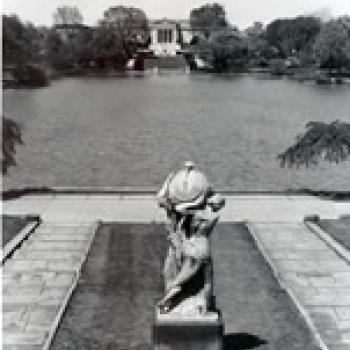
[177, 63]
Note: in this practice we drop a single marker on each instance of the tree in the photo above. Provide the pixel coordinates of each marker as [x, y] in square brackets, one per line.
[12, 135]
[332, 46]
[208, 19]
[125, 27]
[328, 141]
[293, 35]
[256, 42]
[20, 41]
[68, 41]
[82, 45]
[57, 50]
[107, 46]
[67, 15]
[229, 50]
[128, 20]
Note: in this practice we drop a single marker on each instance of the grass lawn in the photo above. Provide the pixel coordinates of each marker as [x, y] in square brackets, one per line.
[11, 225]
[339, 229]
[113, 305]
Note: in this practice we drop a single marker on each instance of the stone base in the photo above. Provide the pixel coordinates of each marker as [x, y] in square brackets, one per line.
[174, 331]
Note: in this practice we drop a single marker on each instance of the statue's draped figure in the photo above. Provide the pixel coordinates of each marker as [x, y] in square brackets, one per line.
[191, 206]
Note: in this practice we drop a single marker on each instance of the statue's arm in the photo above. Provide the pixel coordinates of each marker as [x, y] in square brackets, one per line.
[163, 192]
[189, 268]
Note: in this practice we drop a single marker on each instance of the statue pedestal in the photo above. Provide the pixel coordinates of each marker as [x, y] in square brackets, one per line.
[174, 331]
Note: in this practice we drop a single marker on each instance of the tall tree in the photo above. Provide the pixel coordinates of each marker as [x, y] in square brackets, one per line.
[229, 51]
[332, 46]
[256, 42]
[69, 40]
[208, 18]
[126, 19]
[57, 50]
[20, 41]
[328, 141]
[82, 44]
[106, 43]
[128, 25]
[293, 35]
[67, 15]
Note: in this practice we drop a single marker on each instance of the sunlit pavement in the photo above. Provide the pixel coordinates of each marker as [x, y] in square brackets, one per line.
[143, 208]
[39, 277]
[38, 281]
[317, 277]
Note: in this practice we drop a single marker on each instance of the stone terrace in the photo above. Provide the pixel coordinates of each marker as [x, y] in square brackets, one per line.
[143, 208]
[38, 281]
[40, 276]
[315, 275]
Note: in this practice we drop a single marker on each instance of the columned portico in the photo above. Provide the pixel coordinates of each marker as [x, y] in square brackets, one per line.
[164, 38]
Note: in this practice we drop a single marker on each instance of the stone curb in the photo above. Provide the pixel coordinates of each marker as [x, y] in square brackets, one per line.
[63, 306]
[341, 251]
[18, 239]
[152, 190]
[303, 312]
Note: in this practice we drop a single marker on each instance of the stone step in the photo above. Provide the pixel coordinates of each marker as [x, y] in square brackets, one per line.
[167, 62]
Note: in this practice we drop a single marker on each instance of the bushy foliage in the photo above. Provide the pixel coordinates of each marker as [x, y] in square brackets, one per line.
[115, 39]
[20, 41]
[123, 30]
[208, 19]
[128, 26]
[11, 136]
[229, 51]
[293, 35]
[127, 20]
[107, 43]
[255, 39]
[67, 15]
[332, 46]
[30, 76]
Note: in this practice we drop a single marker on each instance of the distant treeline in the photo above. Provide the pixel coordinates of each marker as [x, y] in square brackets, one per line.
[304, 41]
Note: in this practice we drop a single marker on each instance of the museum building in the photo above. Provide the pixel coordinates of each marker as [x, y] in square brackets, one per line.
[169, 37]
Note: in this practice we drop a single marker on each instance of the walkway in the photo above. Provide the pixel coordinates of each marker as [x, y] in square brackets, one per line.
[315, 275]
[38, 281]
[143, 208]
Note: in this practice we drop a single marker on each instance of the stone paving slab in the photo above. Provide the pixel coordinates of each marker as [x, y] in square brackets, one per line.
[38, 281]
[317, 277]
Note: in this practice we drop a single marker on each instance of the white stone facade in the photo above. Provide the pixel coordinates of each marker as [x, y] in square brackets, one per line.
[167, 36]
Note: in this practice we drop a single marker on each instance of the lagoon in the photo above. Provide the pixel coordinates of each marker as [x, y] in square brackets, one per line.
[131, 131]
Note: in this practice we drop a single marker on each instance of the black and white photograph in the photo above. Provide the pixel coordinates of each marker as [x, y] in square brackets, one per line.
[175, 175]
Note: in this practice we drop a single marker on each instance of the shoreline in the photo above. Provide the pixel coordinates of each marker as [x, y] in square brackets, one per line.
[302, 74]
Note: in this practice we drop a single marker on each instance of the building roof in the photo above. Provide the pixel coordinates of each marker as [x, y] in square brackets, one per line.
[184, 24]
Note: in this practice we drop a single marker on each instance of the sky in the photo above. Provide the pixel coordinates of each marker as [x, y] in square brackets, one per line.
[239, 12]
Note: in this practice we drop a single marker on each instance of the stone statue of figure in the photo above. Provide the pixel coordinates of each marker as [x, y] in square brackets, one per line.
[191, 206]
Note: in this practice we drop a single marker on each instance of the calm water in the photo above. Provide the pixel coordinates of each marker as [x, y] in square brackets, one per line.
[132, 131]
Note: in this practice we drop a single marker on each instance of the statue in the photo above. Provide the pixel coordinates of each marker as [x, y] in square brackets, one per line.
[192, 209]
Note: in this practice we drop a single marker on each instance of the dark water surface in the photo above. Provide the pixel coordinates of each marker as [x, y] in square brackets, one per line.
[133, 131]
[112, 307]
